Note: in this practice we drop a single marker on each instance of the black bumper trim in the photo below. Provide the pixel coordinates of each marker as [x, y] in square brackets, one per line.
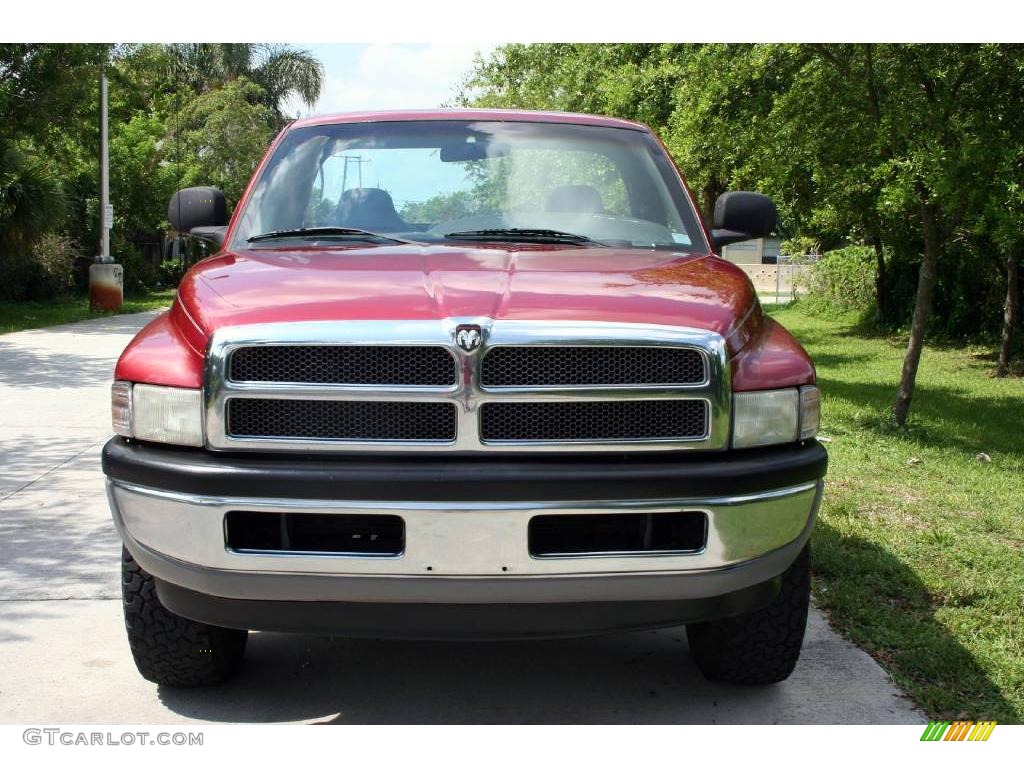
[464, 478]
[453, 621]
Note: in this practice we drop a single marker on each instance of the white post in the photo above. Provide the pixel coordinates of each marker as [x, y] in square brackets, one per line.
[105, 222]
[778, 275]
[106, 279]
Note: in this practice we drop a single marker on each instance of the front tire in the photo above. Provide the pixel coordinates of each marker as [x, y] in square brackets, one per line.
[762, 647]
[169, 649]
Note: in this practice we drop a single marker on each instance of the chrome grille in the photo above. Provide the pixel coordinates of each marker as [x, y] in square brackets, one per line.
[543, 366]
[594, 421]
[344, 364]
[406, 385]
[341, 420]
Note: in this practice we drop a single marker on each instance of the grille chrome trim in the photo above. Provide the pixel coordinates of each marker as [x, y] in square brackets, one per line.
[467, 394]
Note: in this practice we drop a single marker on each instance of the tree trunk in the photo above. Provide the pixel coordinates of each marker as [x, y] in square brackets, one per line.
[708, 195]
[880, 278]
[926, 279]
[1009, 314]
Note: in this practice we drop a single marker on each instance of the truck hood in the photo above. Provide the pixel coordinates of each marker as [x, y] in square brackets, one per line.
[523, 282]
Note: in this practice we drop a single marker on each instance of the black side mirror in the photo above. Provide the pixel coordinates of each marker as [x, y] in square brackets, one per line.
[201, 212]
[742, 216]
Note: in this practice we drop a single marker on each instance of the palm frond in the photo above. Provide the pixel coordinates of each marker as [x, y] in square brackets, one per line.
[31, 198]
[283, 71]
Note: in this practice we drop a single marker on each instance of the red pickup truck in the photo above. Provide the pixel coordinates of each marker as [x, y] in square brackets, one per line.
[462, 374]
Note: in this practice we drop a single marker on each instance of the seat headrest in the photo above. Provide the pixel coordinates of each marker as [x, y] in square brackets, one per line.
[575, 198]
[368, 208]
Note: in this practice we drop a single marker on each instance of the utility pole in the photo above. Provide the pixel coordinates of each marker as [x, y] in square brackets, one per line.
[106, 279]
[358, 160]
[105, 224]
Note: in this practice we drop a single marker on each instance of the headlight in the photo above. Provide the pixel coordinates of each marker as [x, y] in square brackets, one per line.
[774, 416]
[161, 414]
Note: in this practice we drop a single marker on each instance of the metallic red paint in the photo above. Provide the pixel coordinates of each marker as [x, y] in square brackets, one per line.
[772, 360]
[159, 354]
[438, 281]
[500, 115]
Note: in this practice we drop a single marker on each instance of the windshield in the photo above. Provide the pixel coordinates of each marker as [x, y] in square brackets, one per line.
[448, 181]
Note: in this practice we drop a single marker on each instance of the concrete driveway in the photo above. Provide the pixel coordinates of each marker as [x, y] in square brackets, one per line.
[64, 658]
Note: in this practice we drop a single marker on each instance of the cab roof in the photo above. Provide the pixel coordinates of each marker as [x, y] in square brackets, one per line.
[502, 115]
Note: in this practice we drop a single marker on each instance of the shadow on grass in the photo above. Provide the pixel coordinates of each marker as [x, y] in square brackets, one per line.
[880, 603]
[983, 423]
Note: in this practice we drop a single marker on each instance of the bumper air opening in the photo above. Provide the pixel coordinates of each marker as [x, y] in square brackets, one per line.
[314, 533]
[630, 533]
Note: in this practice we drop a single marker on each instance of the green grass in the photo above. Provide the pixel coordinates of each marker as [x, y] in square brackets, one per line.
[919, 550]
[22, 315]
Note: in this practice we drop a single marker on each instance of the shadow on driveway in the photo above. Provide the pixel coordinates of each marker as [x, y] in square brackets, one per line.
[639, 677]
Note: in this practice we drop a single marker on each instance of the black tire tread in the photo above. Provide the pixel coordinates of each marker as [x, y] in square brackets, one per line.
[762, 647]
[169, 649]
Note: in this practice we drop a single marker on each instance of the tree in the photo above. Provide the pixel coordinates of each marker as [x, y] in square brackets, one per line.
[179, 115]
[280, 71]
[934, 109]
[31, 201]
[46, 89]
[887, 138]
[1006, 218]
[224, 133]
[894, 146]
[44, 92]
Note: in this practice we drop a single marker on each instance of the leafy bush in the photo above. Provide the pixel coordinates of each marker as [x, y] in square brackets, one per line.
[45, 270]
[798, 247]
[139, 273]
[32, 204]
[171, 271]
[53, 257]
[840, 281]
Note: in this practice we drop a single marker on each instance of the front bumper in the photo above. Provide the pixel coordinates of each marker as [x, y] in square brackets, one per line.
[465, 523]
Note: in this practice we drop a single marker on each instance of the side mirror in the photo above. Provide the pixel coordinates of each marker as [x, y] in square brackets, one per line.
[742, 216]
[201, 212]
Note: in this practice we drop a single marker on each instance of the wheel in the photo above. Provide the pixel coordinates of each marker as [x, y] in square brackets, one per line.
[171, 650]
[762, 647]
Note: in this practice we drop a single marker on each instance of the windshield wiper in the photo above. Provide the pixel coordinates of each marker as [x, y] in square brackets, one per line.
[313, 233]
[525, 235]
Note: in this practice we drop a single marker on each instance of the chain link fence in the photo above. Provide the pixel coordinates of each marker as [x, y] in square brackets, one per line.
[781, 282]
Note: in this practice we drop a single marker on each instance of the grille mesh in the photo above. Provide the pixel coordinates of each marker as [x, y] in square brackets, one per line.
[596, 421]
[341, 420]
[343, 364]
[572, 366]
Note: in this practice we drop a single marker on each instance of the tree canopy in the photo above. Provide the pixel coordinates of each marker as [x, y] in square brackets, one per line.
[179, 115]
[912, 153]
[914, 150]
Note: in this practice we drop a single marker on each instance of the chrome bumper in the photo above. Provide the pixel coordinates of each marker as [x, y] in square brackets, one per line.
[463, 552]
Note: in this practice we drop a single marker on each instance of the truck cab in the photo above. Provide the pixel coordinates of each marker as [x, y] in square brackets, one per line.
[463, 374]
